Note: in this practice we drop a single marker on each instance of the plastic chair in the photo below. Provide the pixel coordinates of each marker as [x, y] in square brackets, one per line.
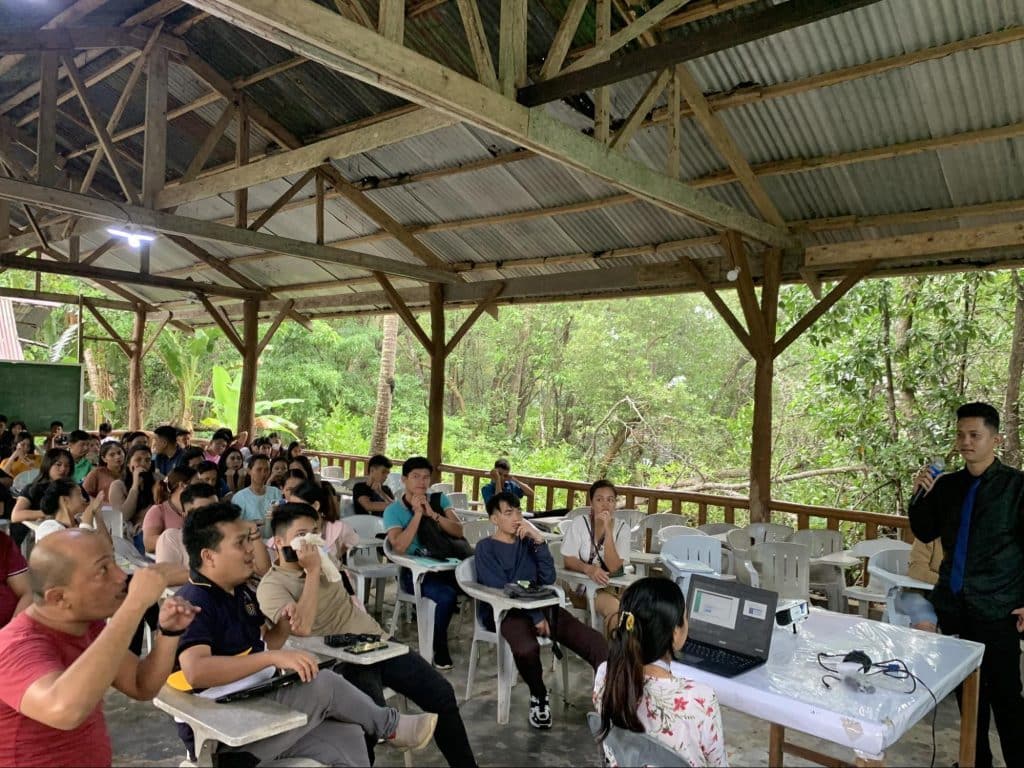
[444, 488]
[769, 532]
[459, 500]
[827, 579]
[738, 545]
[671, 531]
[476, 530]
[333, 472]
[655, 523]
[395, 483]
[364, 562]
[782, 567]
[351, 482]
[883, 566]
[712, 529]
[347, 507]
[578, 512]
[633, 518]
[868, 593]
[692, 553]
[425, 607]
[629, 748]
[465, 575]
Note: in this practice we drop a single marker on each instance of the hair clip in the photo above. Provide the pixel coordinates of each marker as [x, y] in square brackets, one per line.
[627, 621]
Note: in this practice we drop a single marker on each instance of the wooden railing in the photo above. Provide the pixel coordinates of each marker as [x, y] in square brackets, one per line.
[700, 508]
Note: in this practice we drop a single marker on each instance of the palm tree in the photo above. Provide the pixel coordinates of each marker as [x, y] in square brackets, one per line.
[183, 358]
[385, 386]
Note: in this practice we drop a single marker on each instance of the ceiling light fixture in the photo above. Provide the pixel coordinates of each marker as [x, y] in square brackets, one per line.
[135, 239]
[733, 274]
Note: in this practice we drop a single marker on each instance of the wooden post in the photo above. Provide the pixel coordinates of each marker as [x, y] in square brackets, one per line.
[154, 167]
[761, 440]
[81, 331]
[135, 370]
[435, 412]
[46, 136]
[242, 158]
[250, 358]
[602, 96]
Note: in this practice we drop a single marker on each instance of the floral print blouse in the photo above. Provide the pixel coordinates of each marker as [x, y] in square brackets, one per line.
[682, 714]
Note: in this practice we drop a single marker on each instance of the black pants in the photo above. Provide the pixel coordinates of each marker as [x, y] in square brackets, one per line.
[1000, 682]
[518, 630]
[410, 675]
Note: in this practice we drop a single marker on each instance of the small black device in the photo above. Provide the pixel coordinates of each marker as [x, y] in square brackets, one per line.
[365, 647]
[289, 555]
[349, 638]
[277, 681]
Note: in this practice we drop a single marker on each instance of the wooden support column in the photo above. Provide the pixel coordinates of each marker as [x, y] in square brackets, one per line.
[602, 95]
[46, 136]
[154, 166]
[135, 370]
[250, 358]
[512, 46]
[435, 407]
[242, 158]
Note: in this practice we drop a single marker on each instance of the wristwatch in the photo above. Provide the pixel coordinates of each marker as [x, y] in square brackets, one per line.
[170, 632]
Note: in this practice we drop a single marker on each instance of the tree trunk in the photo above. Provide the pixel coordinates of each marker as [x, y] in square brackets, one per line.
[135, 417]
[618, 440]
[967, 321]
[1011, 404]
[385, 386]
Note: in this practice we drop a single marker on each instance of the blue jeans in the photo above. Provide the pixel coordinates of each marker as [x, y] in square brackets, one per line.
[916, 606]
[444, 591]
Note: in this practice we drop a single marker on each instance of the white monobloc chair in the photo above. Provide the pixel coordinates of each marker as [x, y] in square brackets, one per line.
[332, 472]
[474, 531]
[671, 531]
[365, 564]
[465, 575]
[577, 512]
[886, 568]
[351, 483]
[395, 483]
[871, 593]
[425, 607]
[688, 554]
[769, 532]
[459, 500]
[655, 523]
[782, 567]
[740, 547]
[633, 518]
[712, 529]
[827, 579]
[444, 488]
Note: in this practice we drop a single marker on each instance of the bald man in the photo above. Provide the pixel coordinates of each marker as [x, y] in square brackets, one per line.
[59, 656]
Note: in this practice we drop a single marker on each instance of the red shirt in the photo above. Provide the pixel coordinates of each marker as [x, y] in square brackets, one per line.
[28, 651]
[11, 564]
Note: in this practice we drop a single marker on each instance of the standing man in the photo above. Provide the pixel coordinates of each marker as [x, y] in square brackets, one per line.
[979, 514]
[502, 481]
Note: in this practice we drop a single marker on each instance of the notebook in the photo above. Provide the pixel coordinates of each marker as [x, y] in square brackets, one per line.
[730, 626]
[268, 685]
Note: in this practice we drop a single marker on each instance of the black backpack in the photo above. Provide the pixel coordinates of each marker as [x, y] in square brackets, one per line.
[435, 542]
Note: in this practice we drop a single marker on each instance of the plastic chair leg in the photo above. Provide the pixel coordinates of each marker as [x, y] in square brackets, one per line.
[506, 677]
[425, 628]
[474, 650]
[394, 616]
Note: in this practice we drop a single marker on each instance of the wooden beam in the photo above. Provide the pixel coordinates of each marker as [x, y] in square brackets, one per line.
[215, 134]
[319, 210]
[278, 319]
[733, 245]
[512, 46]
[11, 261]
[100, 130]
[716, 301]
[564, 35]
[73, 13]
[723, 141]
[241, 160]
[754, 26]
[674, 135]
[46, 131]
[602, 96]
[477, 39]
[103, 248]
[154, 164]
[396, 301]
[311, 30]
[468, 323]
[103, 210]
[114, 335]
[250, 363]
[435, 399]
[626, 35]
[300, 160]
[917, 246]
[224, 324]
[636, 118]
[159, 329]
[391, 23]
[67, 40]
[275, 207]
[854, 276]
[65, 298]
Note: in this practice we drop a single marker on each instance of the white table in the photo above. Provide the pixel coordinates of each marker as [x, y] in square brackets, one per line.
[788, 693]
[235, 724]
[315, 644]
[644, 560]
[420, 567]
[840, 559]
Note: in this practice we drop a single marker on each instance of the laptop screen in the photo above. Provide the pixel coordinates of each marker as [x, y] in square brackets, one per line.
[727, 614]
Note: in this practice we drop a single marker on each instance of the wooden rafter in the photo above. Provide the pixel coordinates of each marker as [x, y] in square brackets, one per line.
[278, 319]
[468, 323]
[73, 13]
[154, 167]
[629, 128]
[268, 213]
[70, 39]
[391, 22]
[477, 40]
[560, 43]
[222, 321]
[855, 275]
[602, 96]
[214, 135]
[626, 35]
[402, 310]
[114, 335]
[159, 329]
[716, 301]
[512, 46]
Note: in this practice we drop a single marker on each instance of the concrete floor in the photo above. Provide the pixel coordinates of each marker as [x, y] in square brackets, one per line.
[144, 736]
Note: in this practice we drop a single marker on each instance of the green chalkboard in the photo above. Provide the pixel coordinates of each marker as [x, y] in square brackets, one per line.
[38, 393]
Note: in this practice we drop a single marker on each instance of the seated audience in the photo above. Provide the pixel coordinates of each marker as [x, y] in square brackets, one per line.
[597, 545]
[372, 497]
[57, 465]
[206, 472]
[402, 521]
[337, 534]
[278, 472]
[925, 559]
[219, 443]
[131, 439]
[224, 644]
[6, 439]
[299, 599]
[105, 431]
[192, 458]
[56, 437]
[169, 545]
[167, 512]
[637, 690]
[294, 449]
[133, 494]
[111, 468]
[302, 464]
[517, 552]
[60, 655]
[23, 457]
[232, 474]
[264, 446]
[15, 592]
[502, 481]
[166, 453]
[256, 499]
[65, 503]
[81, 445]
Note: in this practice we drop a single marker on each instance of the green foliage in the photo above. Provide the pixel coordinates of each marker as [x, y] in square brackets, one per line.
[224, 406]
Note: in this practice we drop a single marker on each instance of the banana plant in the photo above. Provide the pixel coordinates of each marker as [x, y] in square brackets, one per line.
[183, 357]
[224, 406]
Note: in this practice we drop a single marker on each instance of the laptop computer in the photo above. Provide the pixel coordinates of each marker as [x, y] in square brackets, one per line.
[730, 626]
[271, 684]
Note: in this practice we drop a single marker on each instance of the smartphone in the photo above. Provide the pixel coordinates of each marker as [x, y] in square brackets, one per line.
[289, 555]
[365, 647]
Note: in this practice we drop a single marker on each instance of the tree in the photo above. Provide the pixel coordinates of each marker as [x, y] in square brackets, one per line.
[184, 359]
[385, 386]
[224, 406]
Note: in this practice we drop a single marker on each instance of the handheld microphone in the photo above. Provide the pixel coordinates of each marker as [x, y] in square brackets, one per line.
[936, 468]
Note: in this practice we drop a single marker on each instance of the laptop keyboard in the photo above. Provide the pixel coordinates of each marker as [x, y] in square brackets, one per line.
[720, 656]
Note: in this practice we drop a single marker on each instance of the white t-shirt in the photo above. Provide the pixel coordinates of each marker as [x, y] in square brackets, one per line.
[256, 508]
[578, 541]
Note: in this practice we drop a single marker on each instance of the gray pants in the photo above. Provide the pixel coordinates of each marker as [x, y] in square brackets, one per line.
[340, 717]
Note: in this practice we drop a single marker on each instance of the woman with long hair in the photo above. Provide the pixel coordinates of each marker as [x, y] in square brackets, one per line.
[24, 456]
[278, 472]
[133, 493]
[638, 689]
[111, 468]
[167, 512]
[231, 474]
[301, 462]
[57, 465]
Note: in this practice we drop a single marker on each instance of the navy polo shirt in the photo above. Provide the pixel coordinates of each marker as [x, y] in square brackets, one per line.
[229, 622]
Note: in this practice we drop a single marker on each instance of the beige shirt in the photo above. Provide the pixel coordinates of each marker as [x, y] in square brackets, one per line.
[170, 548]
[335, 612]
[925, 560]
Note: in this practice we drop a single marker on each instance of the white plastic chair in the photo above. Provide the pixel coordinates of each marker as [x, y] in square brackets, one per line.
[692, 553]
[827, 579]
[782, 567]
[425, 607]
[351, 482]
[465, 575]
[459, 500]
[712, 529]
[578, 512]
[333, 472]
[655, 523]
[633, 518]
[738, 544]
[883, 566]
[475, 531]
[347, 507]
[395, 483]
[671, 531]
[769, 532]
[365, 564]
[871, 593]
[444, 488]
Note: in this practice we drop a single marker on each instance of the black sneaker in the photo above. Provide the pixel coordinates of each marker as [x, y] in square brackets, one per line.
[443, 661]
[540, 712]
